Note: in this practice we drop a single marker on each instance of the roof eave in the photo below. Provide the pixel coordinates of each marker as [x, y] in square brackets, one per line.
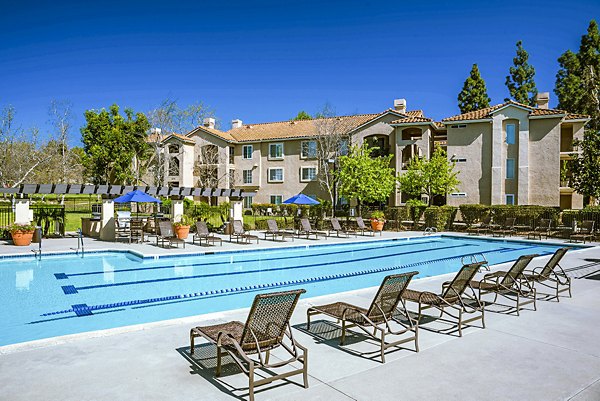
[480, 120]
[547, 116]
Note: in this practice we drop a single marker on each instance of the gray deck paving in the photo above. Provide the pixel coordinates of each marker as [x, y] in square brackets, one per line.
[550, 354]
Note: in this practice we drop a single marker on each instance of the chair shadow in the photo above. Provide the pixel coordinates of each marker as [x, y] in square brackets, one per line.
[204, 362]
[329, 333]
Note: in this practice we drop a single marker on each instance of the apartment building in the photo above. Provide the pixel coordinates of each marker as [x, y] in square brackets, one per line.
[505, 154]
[512, 153]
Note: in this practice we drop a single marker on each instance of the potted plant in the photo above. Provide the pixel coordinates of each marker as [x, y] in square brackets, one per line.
[182, 227]
[22, 234]
[377, 220]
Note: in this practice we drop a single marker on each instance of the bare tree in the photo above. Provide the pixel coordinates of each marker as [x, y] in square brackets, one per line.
[332, 142]
[61, 118]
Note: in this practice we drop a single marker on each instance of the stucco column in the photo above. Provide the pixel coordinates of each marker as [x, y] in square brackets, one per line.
[107, 221]
[236, 211]
[497, 189]
[176, 210]
[22, 212]
[523, 172]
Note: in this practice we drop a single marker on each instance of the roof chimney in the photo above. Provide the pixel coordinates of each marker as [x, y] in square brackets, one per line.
[400, 105]
[236, 124]
[209, 122]
[542, 99]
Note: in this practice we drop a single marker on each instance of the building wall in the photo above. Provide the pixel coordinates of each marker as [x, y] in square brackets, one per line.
[473, 143]
[544, 166]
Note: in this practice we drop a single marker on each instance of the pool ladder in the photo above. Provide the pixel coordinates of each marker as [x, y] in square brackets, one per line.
[38, 252]
[80, 246]
[476, 258]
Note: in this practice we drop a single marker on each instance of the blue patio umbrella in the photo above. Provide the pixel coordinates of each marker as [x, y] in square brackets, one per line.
[301, 199]
[136, 196]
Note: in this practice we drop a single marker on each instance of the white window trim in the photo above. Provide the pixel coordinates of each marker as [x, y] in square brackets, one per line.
[271, 198]
[513, 169]
[244, 177]
[282, 151]
[244, 153]
[275, 168]
[302, 147]
[307, 167]
[506, 199]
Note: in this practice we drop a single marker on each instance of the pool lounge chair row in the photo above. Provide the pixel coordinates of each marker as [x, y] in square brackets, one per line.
[268, 324]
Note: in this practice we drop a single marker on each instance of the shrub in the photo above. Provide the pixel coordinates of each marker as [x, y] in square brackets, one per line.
[471, 214]
[440, 217]
[416, 208]
[378, 215]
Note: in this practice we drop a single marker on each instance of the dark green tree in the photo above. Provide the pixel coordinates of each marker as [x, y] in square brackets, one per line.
[112, 143]
[474, 93]
[585, 167]
[302, 115]
[520, 82]
[578, 79]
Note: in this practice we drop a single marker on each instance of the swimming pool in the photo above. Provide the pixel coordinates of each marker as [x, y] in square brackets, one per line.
[60, 295]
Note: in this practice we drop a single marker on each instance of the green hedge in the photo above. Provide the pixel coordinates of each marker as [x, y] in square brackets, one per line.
[472, 214]
[440, 217]
[524, 214]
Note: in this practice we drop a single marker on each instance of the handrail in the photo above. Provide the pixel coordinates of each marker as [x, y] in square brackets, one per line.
[80, 246]
[38, 252]
[476, 258]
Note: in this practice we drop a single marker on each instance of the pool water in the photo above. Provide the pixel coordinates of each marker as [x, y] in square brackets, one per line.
[60, 295]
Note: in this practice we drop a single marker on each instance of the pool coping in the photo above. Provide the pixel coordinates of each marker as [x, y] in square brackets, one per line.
[62, 339]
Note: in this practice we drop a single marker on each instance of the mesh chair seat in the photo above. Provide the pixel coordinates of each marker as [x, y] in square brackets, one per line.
[233, 328]
[337, 310]
[425, 297]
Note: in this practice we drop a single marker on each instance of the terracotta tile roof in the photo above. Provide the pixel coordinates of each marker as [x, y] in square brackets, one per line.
[573, 116]
[415, 113]
[221, 134]
[179, 136]
[487, 111]
[296, 129]
[154, 137]
[406, 120]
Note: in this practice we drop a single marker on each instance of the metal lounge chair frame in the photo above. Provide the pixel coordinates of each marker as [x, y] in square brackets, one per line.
[266, 328]
[362, 227]
[585, 231]
[454, 296]
[238, 232]
[306, 229]
[166, 235]
[202, 233]
[552, 272]
[542, 229]
[378, 317]
[511, 284]
[507, 229]
[273, 231]
[481, 228]
[336, 228]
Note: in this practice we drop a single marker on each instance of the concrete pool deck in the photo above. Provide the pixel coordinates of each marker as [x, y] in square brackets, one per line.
[550, 354]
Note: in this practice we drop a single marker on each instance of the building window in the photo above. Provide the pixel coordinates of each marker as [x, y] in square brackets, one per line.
[276, 175]
[459, 126]
[458, 195]
[510, 169]
[510, 134]
[308, 174]
[309, 150]
[343, 147]
[247, 202]
[247, 176]
[231, 154]
[510, 199]
[276, 199]
[247, 152]
[275, 151]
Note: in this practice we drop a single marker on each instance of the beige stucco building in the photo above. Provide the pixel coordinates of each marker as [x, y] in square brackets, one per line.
[508, 153]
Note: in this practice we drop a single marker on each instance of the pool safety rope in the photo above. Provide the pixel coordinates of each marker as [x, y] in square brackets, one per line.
[77, 309]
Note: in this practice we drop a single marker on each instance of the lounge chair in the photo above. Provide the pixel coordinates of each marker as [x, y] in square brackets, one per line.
[266, 327]
[481, 228]
[238, 232]
[336, 228]
[306, 229]
[274, 231]
[542, 229]
[124, 217]
[453, 296]
[552, 272]
[507, 229]
[585, 231]
[166, 235]
[512, 285]
[136, 230]
[202, 233]
[364, 228]
[378, 317]
[122, 231]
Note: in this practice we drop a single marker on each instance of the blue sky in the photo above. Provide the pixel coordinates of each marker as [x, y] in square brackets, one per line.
[265, 61]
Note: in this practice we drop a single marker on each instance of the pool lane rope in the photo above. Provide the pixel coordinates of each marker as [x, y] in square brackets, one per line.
[85, 310]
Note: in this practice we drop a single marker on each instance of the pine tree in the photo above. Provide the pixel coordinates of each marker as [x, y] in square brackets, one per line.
[520, 82]
[474, 93]
[578, 79]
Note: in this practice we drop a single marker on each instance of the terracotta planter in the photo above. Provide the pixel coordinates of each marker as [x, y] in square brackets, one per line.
[182, 232]
[22, 238]
[377, 225]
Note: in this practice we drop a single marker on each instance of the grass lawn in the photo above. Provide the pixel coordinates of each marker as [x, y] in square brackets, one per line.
[73, 221]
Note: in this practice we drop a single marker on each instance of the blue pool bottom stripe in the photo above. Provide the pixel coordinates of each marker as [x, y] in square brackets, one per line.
[69, 289]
